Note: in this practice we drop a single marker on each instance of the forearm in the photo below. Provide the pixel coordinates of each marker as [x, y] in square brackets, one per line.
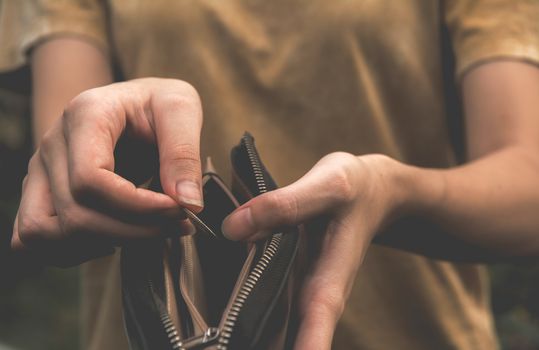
[61, 69]
[490, 204]
[489, 207]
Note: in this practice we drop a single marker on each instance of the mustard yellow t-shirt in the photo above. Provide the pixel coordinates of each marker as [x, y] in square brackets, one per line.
[308, 77]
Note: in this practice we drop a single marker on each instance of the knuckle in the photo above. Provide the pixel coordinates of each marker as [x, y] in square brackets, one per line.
[46, 147]
[32, 163]
[344, 171]
[176, 100]
[71, 221]
[102, 103]
[285, 205]
[182, 155]
[186, 89]
[82, 100]
[181, 151]
[179, 95]
[76, 104]
[33, 160]
[180, 161]
[81, 183]
[30, 229]
[24, 182]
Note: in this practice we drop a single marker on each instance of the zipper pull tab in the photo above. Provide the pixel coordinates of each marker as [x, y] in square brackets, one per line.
[210, 337]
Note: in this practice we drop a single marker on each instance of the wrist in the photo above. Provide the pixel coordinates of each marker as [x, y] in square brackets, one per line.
[388, 184]
[421, 190]
[410, 190]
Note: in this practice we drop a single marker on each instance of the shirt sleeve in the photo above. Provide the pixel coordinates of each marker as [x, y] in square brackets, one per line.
[484, 30]
[26, 23]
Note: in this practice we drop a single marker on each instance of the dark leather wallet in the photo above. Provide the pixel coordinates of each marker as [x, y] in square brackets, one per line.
[206, 292]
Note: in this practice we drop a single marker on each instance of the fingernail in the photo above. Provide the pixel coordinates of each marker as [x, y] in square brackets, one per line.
[238, 225]
[188, 193]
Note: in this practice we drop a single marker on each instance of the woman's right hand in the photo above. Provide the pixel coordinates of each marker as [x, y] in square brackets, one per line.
[77, 205]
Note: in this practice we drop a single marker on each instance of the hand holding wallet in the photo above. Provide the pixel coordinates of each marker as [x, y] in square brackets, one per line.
[206, 292]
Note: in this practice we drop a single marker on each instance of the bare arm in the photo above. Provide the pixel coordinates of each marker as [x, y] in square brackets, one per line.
[484, 210]
[492, 202]
[61, 69]
[501, 103]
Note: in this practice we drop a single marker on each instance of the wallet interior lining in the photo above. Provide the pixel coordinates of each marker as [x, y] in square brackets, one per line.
[191, 285]
[171, 304]
[210, 268]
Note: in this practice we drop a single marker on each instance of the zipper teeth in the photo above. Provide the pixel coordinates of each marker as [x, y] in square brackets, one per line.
[245, 290]
[257, 168]
[249, 284]
[257, 272]
[172, 332]
[168, 326]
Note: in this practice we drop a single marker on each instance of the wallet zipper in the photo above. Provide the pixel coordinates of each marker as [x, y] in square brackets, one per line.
[258, 270]
[221, 337]
[210, 336]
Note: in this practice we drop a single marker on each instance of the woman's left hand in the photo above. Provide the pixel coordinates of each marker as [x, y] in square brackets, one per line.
[356, 196]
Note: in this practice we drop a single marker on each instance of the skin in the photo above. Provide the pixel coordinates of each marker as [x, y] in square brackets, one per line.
[74, 207]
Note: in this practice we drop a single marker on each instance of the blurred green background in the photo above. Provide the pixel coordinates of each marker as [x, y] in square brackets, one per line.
[39, 308]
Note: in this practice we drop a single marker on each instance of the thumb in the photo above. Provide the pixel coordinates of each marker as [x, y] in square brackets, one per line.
[178, 122]
[321, 191]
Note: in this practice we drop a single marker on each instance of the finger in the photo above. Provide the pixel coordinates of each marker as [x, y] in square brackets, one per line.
[324, 189]
[37, 229]
[36, 232]
[36, 215]
[76, 220]
[178, 122]
[316, 330]
[92, 125]
[328, 285]
[16, 243]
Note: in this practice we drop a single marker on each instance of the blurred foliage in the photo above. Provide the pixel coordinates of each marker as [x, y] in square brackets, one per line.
[515, 303]
[40, 311]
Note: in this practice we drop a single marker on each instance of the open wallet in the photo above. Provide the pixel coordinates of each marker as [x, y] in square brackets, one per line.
[203, 291]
